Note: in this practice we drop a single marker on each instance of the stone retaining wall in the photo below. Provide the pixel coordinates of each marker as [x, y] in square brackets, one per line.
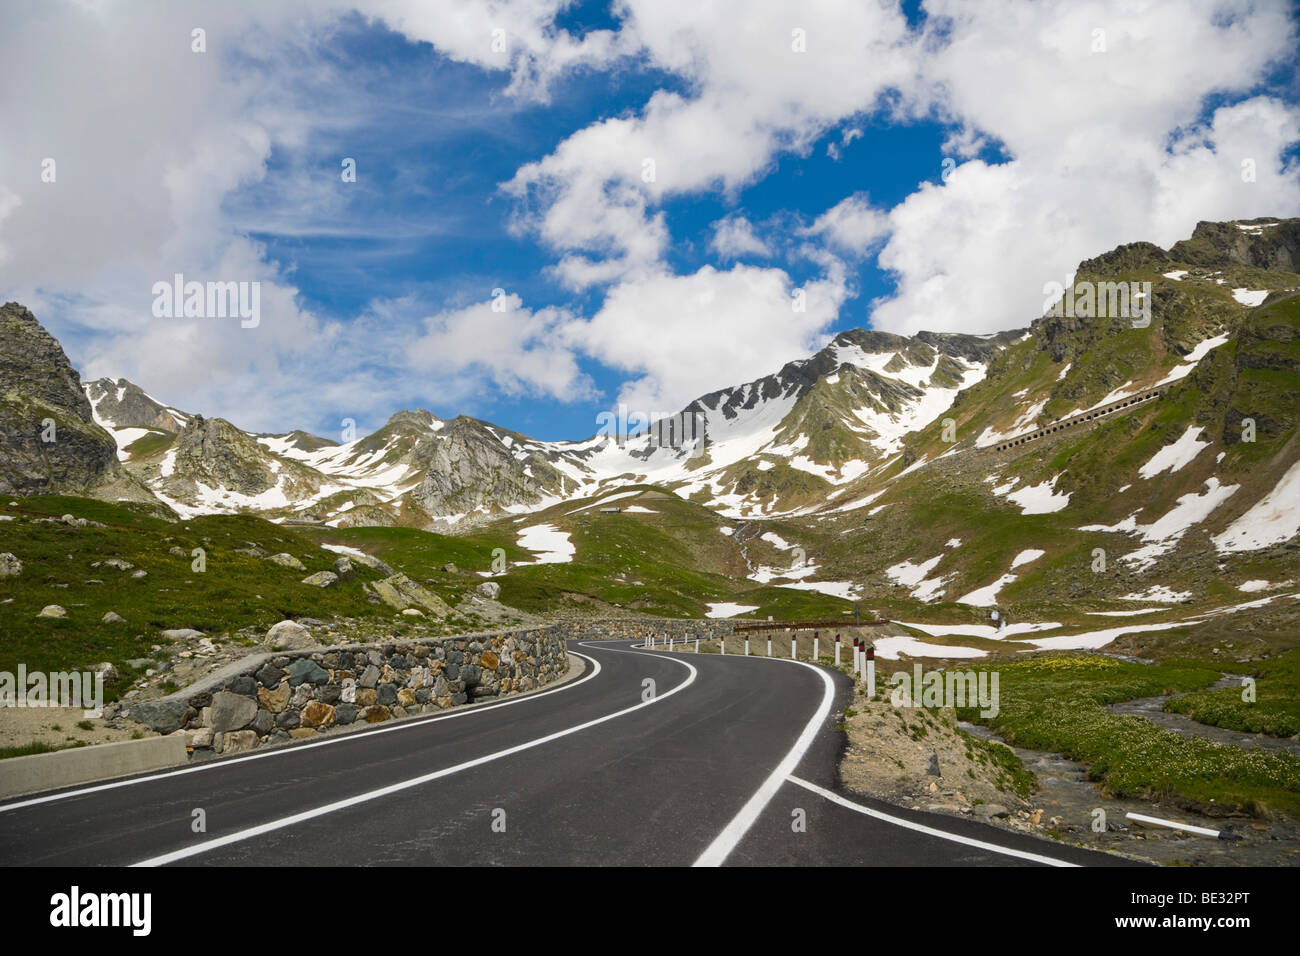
[276, 698]
[607, 629]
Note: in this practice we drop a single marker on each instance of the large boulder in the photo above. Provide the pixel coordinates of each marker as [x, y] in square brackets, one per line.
[10, 566]
[374, 564]
[287, 561]
[290, 636]
[400, 592]
[321, 579]
[343, 568]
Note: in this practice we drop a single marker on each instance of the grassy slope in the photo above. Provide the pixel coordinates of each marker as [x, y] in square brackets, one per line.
[1057, 703]
[235, 591]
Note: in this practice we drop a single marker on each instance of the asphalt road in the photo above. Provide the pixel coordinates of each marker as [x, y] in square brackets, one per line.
[710, 766]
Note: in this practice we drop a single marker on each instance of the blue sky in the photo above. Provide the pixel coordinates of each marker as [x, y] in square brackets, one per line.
[521, 171]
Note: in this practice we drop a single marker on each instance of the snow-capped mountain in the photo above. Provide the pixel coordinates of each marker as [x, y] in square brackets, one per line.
[863, 439]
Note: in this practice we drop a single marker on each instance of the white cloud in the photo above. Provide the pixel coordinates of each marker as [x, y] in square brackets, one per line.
[852, 225]
[518, 351]
[734, 237]
[1104, 147]
[1089, 138]
[688, 335]
[752, 95]
[515, 35]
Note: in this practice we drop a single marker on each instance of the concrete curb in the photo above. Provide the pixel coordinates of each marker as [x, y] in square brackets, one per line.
[64, 768]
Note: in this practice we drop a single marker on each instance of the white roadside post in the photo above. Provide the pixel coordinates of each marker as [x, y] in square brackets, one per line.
[816, 638]
[769, 645]
[794, 643]
[697, 645]
[722, 644]
[837, 650]
[870, 653]
[746, 647]
[855, 657]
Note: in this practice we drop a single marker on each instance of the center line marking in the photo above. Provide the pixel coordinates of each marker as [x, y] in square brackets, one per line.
[735, 831]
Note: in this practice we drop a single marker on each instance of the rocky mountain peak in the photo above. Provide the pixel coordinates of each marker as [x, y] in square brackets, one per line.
[125, 405]
[48, 434]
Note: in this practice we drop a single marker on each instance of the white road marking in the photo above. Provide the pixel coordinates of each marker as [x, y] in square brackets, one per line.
[300, 748]
[735, 831]
[296, 818]
[922, 828]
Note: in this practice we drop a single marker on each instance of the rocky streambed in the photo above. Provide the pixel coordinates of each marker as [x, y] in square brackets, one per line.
[1070, 801]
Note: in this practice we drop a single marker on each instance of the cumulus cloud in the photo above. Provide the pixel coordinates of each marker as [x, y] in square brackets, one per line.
[513, 349]
[686, 335]
[852, 225]
[734, 237]
[764, 79]
[1106, 147]
[1100, 109]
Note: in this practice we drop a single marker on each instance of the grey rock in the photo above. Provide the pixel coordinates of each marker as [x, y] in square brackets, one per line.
[238, 742]
[490, 590]
[287, 561]
[321, 579]
[10, 566]
[112, 617]
[264, 722]
[270, 677]
[400, 592]
[109, 671]
[374, 564]
[181, 634]
[302, 696]
[161, 716]
[242, 684]
[369, 676]
[230, 712]
[343, 568]
[52, 610]
[304, 669]
[345, 713]
[290, 635]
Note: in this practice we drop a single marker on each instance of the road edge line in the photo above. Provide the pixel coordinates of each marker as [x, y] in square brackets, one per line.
[922, 828]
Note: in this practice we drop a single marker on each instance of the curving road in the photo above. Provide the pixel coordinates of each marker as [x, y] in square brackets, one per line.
[709, 768]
